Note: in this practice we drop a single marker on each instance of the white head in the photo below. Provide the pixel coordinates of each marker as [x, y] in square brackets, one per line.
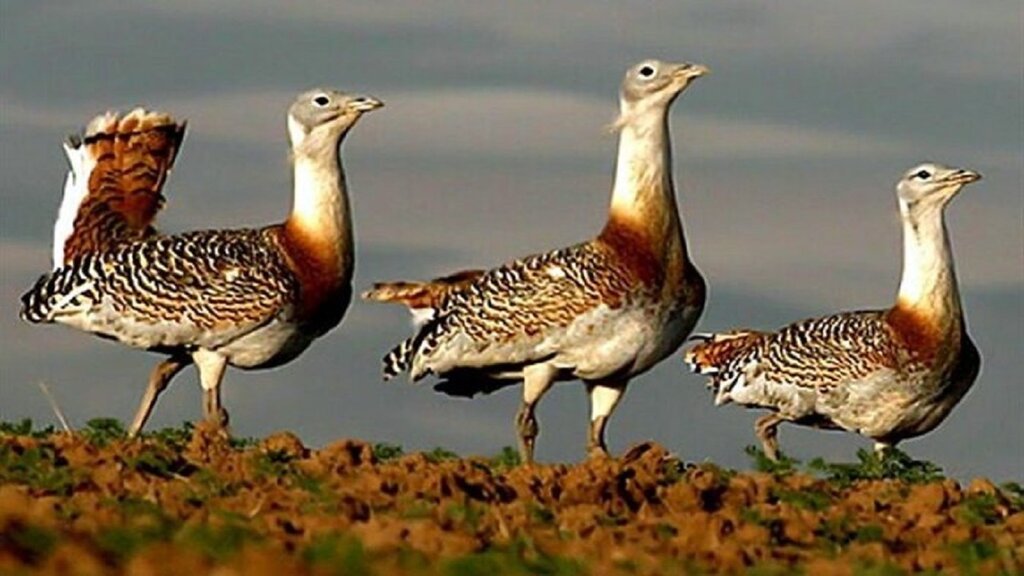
[654, 85]
[932, 185]
[321, 117]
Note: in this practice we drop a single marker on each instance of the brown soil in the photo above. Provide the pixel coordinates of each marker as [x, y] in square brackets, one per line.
[199, 504]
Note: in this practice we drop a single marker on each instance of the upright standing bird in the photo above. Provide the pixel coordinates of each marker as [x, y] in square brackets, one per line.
[885, 374]
[602, 311]
[251, 298]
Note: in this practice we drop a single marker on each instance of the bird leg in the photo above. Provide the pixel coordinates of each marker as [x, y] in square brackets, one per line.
[882, 447]
[159, 378]
[537, 380]
[604, 397]
[211, 372]
[767, 430]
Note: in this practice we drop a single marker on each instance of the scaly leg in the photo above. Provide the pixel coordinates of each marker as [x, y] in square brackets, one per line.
[537, 380]
[211, 371]
[767, 430]
[159, 378]
[604, 397]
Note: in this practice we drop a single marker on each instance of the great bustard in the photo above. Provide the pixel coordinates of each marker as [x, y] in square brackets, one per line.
[885, 374]
[251, 298]
[602, 311]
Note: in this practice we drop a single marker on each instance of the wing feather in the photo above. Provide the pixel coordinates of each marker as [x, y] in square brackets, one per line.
[198, 289]
[518, 313]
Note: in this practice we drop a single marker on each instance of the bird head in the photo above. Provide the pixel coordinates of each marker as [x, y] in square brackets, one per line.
[931, 184]
[654, 85]
[321, 117]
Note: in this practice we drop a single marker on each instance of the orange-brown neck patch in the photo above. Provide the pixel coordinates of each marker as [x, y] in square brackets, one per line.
[632, 244]
[919, 332]
[317, 264]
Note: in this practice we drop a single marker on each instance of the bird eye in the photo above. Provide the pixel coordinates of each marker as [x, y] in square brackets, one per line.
[321, 101]
[647, 72]
[923, 175]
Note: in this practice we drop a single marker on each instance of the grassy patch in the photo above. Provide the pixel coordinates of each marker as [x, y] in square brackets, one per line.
[440, 455]
[37, 467]
[890, 464]
[339, 554]
[808, 498]
[507, 458]
[24, 427]
[979, 509]
[102, 431]
[34, 543]
[762, 463]
[384, 451]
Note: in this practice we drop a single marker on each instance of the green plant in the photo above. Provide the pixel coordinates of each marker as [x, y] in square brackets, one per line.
[38, 467]
[384, 451]
[466, 515]
[1014, 493]
[540, 514]
[762, 463]
[808, 498]
[888, 464]
[272, 464]
[970, 553]
[24, 427]
[341, 554]
[439, 455]
[101, 431]
[507, 458]
[28, 540]
[175, 438]
[980, 509]
[222, 540]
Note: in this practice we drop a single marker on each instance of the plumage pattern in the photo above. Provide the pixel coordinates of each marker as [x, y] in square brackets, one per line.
[198, 289]
[423, 299]
[886, 374]
[252, 298]
[114, 188]
[817, 354]
[516, 312]
[601, 311]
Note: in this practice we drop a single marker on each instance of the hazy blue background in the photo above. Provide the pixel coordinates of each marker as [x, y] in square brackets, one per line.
[492, 146]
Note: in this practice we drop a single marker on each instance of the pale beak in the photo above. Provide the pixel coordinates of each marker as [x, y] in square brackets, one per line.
[364, 103]
[961, 177]
[692, 71]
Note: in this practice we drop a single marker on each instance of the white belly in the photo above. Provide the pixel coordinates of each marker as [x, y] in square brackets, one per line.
[274, 344]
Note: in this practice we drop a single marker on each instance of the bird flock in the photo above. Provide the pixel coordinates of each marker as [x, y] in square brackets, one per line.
[602, 312]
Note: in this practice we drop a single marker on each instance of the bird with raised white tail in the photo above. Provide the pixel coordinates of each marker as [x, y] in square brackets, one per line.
[602, 311]
[885, 374]
[250, 298]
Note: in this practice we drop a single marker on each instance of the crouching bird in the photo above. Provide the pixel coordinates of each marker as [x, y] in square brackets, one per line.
[602, 311]
[248, 297]
[885, 374]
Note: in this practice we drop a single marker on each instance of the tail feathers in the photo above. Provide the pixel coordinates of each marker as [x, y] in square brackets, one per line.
[725, 358]
[422, 295]
[35, 302]
[399, 359]
[113, 189]
[59, 293]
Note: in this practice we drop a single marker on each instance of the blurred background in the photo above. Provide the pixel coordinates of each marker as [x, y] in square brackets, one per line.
[493, 146]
